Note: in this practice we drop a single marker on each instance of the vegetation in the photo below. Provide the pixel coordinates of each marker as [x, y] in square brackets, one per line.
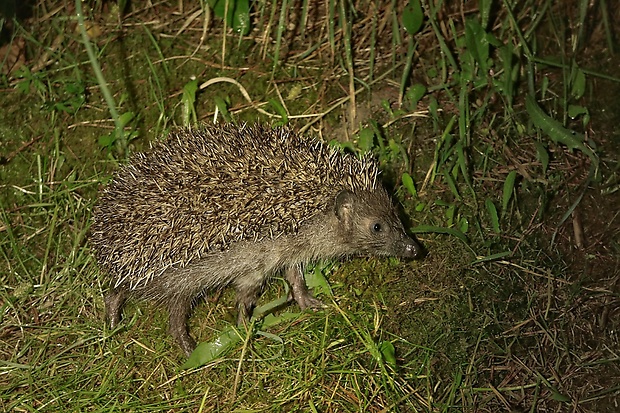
[495, 125]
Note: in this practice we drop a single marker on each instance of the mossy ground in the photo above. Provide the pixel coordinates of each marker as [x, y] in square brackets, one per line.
[515, 306]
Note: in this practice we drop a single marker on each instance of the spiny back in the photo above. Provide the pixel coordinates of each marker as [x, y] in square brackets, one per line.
[206, 188]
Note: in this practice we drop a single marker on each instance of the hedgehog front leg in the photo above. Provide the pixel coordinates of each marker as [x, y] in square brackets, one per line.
[179, 310]
[299, 291]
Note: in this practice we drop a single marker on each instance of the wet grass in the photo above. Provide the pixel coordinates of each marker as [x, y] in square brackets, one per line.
[514, 308]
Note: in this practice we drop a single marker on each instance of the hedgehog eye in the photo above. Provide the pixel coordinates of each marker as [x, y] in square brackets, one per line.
[377, 227]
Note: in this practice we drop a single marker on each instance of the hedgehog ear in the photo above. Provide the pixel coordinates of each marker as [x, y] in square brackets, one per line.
[343, 207]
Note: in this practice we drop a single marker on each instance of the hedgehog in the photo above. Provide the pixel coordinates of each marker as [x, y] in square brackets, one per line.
[232, 205]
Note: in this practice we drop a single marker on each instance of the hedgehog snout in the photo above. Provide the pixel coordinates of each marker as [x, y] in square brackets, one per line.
[411, 248]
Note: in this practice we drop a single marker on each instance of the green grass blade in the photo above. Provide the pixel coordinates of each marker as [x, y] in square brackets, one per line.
[462, 162]
[103, 85]
[188, 101]
[331, 26]
[542, 155]
[422, 229]
[492, 257]
[490, 206]
[509, 185]
[446, 52]
[280, 31]
[452, 185]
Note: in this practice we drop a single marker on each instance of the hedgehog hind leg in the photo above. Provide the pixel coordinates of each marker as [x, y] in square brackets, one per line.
[114, 300]
[299, 291]
[179, 310]
[247, 296]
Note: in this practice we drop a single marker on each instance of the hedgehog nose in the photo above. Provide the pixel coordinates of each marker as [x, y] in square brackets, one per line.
[412, 249]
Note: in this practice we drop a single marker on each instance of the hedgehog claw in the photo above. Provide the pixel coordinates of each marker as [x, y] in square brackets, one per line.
[308, 301]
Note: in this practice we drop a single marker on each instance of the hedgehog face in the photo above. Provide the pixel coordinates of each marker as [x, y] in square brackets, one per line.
[371, 227]
[388, 237]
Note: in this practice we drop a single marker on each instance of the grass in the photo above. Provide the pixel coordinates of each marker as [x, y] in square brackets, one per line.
[493, 129]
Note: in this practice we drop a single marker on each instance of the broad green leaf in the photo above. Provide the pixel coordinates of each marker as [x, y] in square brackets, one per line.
[477, 43]
[388, 352]
[413, 17]
[241, 21]
[576, 110]
[271, 320]
[222, 107]
[485, 10]
[387, 107]
[237, 16]
[316, 281]
[261, 312]
[125, 118]
[464, 225]
[366, 139]
[208, 351]
[228, 339]
[558, 133]
[23, 86]
[578, 88]
[414, 94]
[107, 140]
[409, 184]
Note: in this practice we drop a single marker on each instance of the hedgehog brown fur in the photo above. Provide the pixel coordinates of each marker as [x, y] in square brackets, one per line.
[227, 204]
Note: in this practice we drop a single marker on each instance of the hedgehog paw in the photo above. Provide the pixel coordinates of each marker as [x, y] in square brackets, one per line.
[308, 301]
